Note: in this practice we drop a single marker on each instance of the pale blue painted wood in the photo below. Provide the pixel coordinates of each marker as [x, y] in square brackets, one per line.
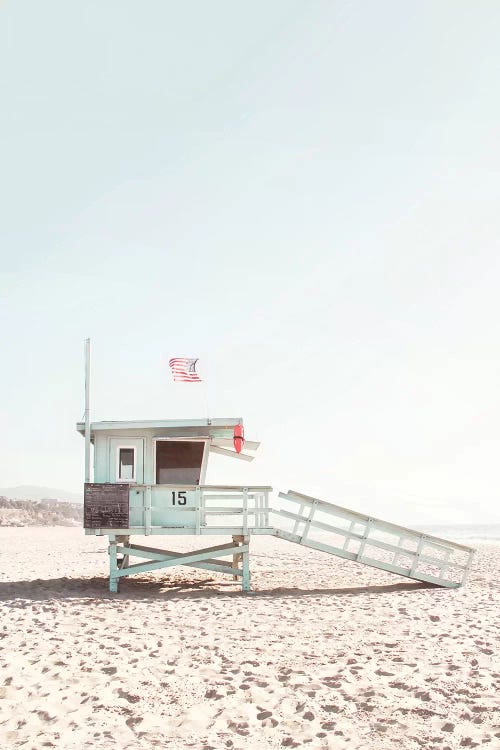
[403, 551]
[156, 509]
[430, 559]
[158, 559]
[217, 427]
[159, 554]
[101, 459]
[243, 511]
[113, 565]
[245, 560]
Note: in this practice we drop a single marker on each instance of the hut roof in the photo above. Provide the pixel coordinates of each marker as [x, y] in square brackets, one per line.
[208, 426]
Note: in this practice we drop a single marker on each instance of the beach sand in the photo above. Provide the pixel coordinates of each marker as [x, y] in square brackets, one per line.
[324, 654]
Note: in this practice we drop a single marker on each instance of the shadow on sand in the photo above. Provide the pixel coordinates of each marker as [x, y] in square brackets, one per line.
[18, 592]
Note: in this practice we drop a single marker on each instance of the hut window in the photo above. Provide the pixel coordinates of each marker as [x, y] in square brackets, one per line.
[126, 464]
[178, 461]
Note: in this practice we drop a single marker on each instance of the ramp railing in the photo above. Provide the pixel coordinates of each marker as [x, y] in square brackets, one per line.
[247, 507]
[330, 528]
[203, 509]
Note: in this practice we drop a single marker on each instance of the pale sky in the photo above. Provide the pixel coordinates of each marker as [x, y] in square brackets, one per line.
[302, 193]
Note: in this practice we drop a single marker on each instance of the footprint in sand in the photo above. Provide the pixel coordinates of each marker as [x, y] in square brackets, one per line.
[262, 715]
[128, 696]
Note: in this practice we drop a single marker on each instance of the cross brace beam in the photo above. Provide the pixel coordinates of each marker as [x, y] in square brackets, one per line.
[156, 559]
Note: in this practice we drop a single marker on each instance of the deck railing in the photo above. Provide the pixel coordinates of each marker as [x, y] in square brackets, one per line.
[199, 507]
[248, 505]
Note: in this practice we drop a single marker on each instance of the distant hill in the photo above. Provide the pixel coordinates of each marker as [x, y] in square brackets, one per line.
[29, 505]
[31, 492]
[39, 513]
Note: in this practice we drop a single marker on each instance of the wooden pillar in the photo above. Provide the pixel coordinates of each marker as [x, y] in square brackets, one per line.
[237, 557]
[113, 565]
[245, 581]
[125, 540]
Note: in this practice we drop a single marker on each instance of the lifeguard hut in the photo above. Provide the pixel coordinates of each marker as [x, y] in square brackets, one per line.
[149, 480]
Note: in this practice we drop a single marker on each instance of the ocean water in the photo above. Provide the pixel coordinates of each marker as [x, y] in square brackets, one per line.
[485, 533]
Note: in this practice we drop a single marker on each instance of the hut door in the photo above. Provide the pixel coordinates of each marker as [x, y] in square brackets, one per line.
[126, 460]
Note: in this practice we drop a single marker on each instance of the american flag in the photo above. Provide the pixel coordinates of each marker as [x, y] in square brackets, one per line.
[184, 370]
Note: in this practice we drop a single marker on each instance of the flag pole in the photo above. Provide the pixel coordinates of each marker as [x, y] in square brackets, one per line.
[87, 410]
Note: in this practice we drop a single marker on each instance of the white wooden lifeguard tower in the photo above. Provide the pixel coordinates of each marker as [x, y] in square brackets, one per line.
[149, 480]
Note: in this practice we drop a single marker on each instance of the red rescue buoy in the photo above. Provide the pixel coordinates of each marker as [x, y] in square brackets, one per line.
[238, 438]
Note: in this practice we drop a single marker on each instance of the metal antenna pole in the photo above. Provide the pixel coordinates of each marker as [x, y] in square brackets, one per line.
[87, 410]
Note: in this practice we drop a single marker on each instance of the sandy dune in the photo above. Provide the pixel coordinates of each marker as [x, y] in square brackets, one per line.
[324, 654]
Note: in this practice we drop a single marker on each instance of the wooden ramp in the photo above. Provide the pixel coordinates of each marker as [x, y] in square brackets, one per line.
[338, 531]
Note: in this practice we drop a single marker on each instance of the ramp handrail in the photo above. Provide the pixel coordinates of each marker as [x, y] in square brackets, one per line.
[374, 542]
[341, 510]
